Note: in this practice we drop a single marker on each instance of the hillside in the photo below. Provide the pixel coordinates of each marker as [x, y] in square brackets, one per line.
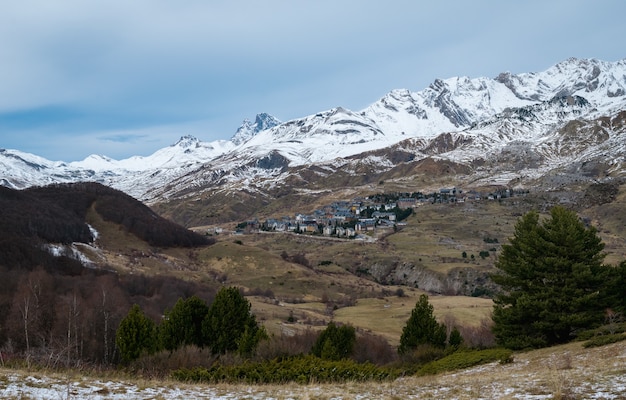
[32, 218]
[62, 249]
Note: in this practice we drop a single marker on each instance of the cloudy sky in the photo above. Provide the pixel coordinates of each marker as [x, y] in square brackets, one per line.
[124, 78]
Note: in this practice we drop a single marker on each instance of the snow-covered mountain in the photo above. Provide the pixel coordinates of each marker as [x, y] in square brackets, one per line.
[20, 170]
[510, 127]
[249, 129]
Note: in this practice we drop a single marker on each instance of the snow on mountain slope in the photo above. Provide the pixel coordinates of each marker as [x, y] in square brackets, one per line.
[248, 129]
[19, 170]
[600, 82]
[450, 105]
[136, 175]
[187, 151]
[458, 119]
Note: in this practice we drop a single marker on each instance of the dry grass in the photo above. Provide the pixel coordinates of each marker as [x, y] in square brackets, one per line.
[563, 372]
[387, 316]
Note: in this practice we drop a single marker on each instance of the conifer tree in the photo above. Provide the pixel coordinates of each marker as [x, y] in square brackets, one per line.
[135, 335]
[551, 274]
[229, 325]
[455, 340]
[183, 324]
[335, 343]
[616, 288]
[422, 328]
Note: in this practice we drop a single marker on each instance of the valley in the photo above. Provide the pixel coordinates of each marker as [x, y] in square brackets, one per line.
[267, 212]
[297, 282]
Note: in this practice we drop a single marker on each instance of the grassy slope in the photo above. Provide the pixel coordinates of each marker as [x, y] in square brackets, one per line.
[563, 372]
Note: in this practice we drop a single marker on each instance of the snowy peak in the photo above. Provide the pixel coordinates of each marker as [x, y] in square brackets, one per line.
[265, 121]
[249, 129]
[600, 82]
[459, 119]
[186, 141]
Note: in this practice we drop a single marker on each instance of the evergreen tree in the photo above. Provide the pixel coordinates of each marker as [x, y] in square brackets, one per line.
[135, 335]
[229, 325]
[455, 340]
[616, 288]
[335, 343]
[422, 328]
[183, 324]
[552, 275]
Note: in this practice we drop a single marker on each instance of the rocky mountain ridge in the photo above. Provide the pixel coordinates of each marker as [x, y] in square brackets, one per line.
[516, 129]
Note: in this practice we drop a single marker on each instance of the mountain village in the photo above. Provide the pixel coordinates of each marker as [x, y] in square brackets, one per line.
[373, 215]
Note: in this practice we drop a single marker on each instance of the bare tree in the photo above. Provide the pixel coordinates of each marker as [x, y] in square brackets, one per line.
[108, 301]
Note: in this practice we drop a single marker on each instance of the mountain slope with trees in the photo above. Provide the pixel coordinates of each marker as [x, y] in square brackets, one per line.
[55, 306]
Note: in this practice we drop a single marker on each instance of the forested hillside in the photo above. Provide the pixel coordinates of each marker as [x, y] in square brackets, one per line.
[53, 306]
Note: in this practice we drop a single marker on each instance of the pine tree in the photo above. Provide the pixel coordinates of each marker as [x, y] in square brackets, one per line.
[335, 343]
[422, 328]
[455, 340]
[135, 335]
[616, 288]
[183, 324]
[551, 275]
[229, 325]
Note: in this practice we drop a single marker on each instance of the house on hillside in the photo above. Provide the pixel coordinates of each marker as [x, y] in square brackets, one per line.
[308, 226]
[378, 215]
[365, 224]
[407, 202]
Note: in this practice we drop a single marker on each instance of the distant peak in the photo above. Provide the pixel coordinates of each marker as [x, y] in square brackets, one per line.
[97, 157]
[247, 130]
[186, 141]
[265, 121]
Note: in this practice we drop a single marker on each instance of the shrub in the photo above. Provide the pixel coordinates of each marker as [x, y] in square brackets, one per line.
[286, 346]
[161, 364]
[335, 343]
[300, 369]
[480, 336]
[466, 359]
[598, 341]
[423, 354]
[373, 348]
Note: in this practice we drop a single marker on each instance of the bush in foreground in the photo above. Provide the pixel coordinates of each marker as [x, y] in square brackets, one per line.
[598, 341]
[466, 359]
[300, 369]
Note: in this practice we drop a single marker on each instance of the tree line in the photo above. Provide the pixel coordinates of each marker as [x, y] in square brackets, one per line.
[227, 325]
[56, 317]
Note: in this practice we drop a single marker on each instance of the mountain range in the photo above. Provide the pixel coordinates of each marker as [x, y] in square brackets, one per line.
[560, 127]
